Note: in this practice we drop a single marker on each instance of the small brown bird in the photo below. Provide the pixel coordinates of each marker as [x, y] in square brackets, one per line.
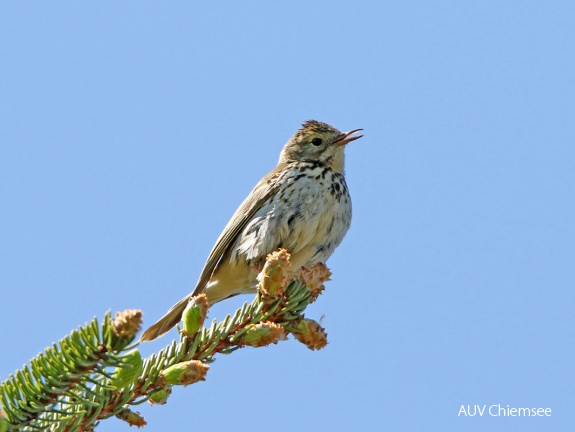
[303, 205]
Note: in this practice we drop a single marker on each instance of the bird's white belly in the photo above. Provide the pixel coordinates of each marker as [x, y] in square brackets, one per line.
[308, 216]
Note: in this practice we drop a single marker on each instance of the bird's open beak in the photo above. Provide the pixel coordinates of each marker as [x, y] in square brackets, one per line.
[347, 137]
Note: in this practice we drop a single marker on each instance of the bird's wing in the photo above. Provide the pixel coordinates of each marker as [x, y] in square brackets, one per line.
[266, 187]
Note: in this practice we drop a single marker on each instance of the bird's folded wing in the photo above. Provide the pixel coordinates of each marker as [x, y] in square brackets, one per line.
[266, 187]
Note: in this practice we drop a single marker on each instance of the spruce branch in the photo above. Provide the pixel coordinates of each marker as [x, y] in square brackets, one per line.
[96, 372]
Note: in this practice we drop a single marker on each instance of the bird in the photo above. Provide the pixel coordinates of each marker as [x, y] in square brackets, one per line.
[302, 205]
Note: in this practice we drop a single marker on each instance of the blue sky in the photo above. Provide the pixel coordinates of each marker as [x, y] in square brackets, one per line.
[130, 133]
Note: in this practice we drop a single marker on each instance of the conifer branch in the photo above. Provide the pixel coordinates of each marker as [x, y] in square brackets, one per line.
[96, 372]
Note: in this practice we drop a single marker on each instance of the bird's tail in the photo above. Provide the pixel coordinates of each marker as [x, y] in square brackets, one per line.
[216, 291]
[169, 320]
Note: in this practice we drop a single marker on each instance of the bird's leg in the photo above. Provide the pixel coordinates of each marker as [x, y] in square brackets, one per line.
[256, 268]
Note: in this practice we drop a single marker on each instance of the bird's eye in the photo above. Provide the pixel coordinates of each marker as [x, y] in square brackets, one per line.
[316, 141]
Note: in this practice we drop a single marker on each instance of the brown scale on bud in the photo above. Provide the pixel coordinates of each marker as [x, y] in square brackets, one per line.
[314, 277]
[126, 324]
[132, 418]
[263, 334]
[311, 334]
[275, 274]
[184, 373]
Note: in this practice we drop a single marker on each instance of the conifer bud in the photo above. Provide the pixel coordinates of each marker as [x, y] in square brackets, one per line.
[194, 315]
[263, 334]
[275, 274]
[185, 373]
[311, 334]
[160, 397]
[125, 326]
[132, 418]
[314, 278]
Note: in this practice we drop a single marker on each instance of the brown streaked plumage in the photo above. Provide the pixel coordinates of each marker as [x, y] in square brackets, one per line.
[302, 205]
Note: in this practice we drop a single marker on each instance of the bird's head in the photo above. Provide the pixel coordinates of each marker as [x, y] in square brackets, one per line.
[317, 141]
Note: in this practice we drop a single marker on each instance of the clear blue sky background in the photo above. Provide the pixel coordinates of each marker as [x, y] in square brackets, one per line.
[130, 132]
